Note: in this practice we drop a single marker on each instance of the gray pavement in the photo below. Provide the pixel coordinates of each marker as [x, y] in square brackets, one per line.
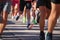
[16, 30]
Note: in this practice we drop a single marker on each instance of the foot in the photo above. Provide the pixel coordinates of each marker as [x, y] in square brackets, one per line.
[42, 36]
[48, 36]
[31, 25]
[1, 38]
[34, 21]
[17, 16]
[13, 17]
[28, 26]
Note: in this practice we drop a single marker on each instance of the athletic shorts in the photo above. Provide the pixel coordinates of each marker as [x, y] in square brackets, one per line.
[56, 1]
[46, 3]
[1, 6]
[23, 4]
[4, 6]
[14, 2]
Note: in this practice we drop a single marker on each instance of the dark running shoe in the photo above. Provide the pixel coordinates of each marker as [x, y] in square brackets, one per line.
[1, 37]
[48, 36]
[42, 36]
[17, 18]
[28, 26]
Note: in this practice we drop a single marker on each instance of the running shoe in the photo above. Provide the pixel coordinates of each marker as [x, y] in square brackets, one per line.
[34, 21]
[48, 36]
[17, 16]
[42, 36]
[28, 26]
[12, 17]
[1, 37]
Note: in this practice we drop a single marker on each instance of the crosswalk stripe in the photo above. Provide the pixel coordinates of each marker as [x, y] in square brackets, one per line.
[30, 31]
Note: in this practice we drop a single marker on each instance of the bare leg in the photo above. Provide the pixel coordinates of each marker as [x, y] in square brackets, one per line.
[28, 16]
[24, 11]
[53, 17]
[42, 19]
[24, 15]
[3, 23]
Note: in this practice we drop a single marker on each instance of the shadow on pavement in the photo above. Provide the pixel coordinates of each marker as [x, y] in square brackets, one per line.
[10, 22]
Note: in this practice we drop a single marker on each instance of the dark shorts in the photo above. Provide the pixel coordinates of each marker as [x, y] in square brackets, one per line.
[56, 1]
[23, 4]
[1, 6]
[44, 3]
[4, 6]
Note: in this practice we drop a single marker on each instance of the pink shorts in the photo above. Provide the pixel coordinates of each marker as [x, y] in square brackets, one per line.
[14, 2]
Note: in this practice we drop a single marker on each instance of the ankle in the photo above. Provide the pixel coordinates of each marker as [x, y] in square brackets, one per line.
[49, 33]
[42, 32]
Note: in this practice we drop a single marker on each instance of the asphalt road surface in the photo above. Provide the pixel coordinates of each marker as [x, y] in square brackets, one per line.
[16, 30]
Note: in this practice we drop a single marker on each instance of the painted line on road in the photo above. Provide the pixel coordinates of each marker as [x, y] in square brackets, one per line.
[30, 31]
[20, 25]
